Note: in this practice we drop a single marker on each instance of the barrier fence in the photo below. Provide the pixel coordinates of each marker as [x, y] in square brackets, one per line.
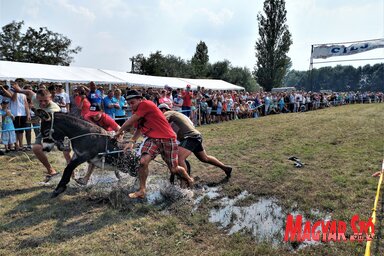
[368, 246]
[199, 112]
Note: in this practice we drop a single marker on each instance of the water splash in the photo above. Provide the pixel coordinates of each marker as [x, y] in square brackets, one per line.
[159, 189]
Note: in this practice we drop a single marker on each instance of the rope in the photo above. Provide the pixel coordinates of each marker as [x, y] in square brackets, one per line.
[89, 134]
[368, 246]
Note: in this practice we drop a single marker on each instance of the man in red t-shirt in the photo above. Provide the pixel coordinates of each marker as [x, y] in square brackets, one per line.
[187, 101]
[161, 139]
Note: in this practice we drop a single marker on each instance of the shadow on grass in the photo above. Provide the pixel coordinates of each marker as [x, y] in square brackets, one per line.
[15, 192]
[61, 219]
[218, 183]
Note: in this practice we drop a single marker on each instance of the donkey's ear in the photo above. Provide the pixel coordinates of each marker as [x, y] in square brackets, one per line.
[44, 115]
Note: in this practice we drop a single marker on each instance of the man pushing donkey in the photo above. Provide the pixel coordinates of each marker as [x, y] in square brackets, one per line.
[147, 119]
[150, 122]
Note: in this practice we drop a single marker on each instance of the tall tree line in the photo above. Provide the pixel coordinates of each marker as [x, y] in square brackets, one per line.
[273, 45]
[198, 66]
[339, 78]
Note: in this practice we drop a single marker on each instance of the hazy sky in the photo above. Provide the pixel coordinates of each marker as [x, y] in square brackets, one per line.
[112, 31]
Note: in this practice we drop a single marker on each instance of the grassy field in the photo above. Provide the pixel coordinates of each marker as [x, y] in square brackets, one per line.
[341, 147]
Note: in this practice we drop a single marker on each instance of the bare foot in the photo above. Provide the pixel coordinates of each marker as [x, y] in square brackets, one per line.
[190, 182]
[376, 174]
[52, 172]
[138, 194]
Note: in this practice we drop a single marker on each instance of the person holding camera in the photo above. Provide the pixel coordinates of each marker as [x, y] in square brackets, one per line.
[120, 113]
[111, 104]
[82, 102]
[20, 110]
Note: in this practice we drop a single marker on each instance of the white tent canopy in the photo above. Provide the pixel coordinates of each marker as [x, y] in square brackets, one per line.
[50, 73]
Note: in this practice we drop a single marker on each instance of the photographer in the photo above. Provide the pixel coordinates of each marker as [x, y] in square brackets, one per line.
[82, 101]
[120, 112]
[73, 108]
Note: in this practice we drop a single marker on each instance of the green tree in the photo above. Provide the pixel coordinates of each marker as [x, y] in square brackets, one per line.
[159, 65]
[200, 60]
[377, 77]
[338, 78]
[176, 67]
[273, 45]
[242, 77]
[219, 69]
[36, 46]
[138, 64]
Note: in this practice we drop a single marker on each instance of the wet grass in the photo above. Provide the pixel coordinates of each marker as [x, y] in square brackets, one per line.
[341, 147]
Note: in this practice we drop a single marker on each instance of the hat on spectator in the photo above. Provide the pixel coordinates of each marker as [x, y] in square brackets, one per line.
[131, 94]
[94, 108]
[164, 106]
[5, 101]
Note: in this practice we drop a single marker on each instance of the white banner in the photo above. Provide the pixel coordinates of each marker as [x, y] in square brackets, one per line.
[325, 51]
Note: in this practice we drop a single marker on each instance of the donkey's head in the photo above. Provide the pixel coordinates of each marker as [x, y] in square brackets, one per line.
[46, 129]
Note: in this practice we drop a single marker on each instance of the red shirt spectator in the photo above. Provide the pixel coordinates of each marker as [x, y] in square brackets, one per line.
[103, 120]
[83, 104]
[187, 98]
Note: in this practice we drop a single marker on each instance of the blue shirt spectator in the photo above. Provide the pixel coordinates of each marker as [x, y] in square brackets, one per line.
[95, 96]
[122, 103]
[111, 104]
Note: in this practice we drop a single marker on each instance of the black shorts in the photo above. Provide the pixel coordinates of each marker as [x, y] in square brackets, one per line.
[20, 122]
[194, 145]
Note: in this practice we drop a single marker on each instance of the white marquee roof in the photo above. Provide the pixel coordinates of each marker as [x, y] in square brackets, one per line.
[50, 73]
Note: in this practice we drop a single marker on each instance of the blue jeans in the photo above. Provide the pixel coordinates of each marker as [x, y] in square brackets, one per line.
[186, 110]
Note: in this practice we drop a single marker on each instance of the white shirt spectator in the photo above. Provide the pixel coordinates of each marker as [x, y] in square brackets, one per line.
[17, 107]
[64, 98]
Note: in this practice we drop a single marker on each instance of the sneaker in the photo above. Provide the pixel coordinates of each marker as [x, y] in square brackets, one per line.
[228, 171]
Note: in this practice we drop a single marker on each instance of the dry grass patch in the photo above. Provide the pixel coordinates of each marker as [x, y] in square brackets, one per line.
[341, 147]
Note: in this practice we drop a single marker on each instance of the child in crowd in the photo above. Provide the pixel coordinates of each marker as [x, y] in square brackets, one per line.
[8, 135]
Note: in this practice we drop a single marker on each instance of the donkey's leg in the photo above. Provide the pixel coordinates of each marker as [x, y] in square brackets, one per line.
[62, 186]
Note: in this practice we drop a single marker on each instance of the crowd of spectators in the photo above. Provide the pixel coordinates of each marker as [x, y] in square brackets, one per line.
[202, 106]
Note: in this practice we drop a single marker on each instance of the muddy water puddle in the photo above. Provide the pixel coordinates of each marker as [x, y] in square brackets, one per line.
[262, 218]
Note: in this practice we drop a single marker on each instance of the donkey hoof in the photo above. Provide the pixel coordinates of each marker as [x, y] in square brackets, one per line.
[58, 191]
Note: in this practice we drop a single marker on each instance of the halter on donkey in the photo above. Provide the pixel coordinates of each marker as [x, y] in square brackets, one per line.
[90, 143]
